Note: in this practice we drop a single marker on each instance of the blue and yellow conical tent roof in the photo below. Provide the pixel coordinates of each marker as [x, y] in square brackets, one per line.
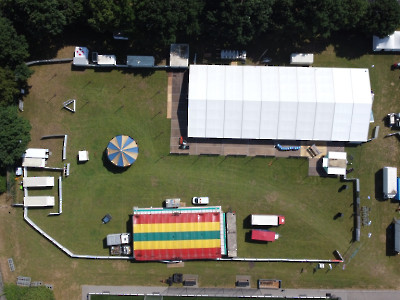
[122, 151]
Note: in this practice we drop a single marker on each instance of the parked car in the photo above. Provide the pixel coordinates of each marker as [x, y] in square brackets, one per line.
[200, 200]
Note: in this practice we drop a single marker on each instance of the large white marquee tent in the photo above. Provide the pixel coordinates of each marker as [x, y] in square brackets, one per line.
[286, 103]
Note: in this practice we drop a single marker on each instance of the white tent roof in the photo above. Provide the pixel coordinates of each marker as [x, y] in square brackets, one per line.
[293, 103]
[388, 43]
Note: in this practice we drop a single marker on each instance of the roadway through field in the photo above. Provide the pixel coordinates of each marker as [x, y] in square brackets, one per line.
[242, 292]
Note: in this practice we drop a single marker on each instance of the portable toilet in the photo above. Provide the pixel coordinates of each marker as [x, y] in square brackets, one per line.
[398, 192]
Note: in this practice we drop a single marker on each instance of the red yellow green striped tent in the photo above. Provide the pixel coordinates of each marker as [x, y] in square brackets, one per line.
[177, 234]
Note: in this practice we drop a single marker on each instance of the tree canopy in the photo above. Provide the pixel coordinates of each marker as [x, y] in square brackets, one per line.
[8, 87]
[13, 47]
[382, 17]
[14, 136]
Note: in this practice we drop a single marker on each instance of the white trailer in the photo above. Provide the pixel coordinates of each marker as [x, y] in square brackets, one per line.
[302, 59]
[34, 162]
[267, 220]
[45, 181]
[37, 153]
[389, 182]
[38, 201]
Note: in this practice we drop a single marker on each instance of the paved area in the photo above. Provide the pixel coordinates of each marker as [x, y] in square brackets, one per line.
[177, 111]
[237, 292]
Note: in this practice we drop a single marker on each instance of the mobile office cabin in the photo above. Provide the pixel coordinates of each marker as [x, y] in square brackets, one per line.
[302, 59]
[388, 43]
[389, 182]
[267, 220]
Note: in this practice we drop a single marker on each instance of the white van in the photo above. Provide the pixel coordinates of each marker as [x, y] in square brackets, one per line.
[200, 200]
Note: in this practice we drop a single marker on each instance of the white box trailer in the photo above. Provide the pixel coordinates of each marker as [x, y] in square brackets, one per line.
[267, 220]
[389, 182]
[37, 153]
[38, 201]
[33, 162]
[46, 181]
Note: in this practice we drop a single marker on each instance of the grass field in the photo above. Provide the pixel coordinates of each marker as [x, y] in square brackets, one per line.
[113, 102]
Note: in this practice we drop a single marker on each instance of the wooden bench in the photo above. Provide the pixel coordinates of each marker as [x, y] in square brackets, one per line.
[313, 151]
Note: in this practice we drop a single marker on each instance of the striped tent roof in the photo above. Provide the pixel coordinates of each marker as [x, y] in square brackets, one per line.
[122, 151]
[172, 234]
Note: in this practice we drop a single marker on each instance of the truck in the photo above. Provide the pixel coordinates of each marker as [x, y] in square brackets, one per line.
[269, 284]
[124, 250]
[264, 235]
[117, 239]
[267, 220]
[173, 203]
[119, 244]
[389, 182]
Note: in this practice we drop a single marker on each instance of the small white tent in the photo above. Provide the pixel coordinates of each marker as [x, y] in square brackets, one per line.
[388, 43]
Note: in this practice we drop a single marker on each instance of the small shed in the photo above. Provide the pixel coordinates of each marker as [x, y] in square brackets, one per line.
[335, 163]
[388, 43]
[83, 155]
[302, 59]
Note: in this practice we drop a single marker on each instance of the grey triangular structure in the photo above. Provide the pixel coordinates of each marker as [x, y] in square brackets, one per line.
[66, 105]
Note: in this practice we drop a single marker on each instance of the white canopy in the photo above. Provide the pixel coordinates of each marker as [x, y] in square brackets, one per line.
[388, 43]
[291, 103]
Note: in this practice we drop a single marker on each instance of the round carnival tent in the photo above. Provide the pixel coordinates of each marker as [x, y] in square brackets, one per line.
[122, 151]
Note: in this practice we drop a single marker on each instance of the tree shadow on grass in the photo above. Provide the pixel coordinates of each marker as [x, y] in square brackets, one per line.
[351, 45]
[111, 167]
[379, 185]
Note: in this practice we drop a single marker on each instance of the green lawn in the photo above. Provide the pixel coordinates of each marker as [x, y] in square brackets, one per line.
[112, 103]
